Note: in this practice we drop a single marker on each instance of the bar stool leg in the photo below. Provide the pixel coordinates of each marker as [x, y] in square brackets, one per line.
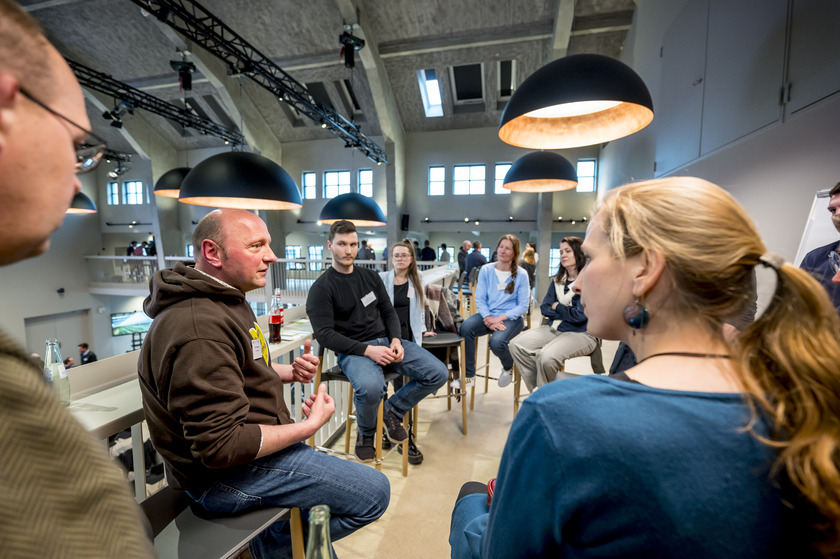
[487, 369]
[296, 527]
[448, 390]
[378, 438]
[349, 423]
[517, 381]
[405, 444]
[463, 377]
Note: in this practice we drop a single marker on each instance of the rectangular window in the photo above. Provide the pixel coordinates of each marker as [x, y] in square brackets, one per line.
[437, 181]
[586, 175]
[553, 260]
[501, 171]
[133, 192]
[293, 251]
[468, 180]
[366, 182]
[450, 250]
[335, 183]
[190, 250]
[315, 253]
[486, 252]
[430, 92]
[113, 194]
[308, 180]
[258, 308]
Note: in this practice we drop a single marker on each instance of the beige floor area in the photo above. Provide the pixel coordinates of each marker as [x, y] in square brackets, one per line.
[416, 524]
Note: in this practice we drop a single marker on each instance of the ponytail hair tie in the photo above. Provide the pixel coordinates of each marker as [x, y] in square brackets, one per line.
[772, 260]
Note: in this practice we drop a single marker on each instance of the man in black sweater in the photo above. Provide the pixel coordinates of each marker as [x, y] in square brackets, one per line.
[352, 315]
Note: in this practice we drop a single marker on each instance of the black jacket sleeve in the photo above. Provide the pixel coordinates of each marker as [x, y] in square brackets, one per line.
[572, 314]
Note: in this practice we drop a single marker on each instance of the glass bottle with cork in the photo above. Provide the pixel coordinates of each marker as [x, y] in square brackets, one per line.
[275, 317]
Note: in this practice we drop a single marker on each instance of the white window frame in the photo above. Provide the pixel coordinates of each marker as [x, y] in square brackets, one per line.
[132, 193]
[114, 193]
[437, 187]
[469, 179]
[315, 252]
[500, 172]
[309, 185]
[587, 181]
[335, 183]
[366, 186]
[293, 252]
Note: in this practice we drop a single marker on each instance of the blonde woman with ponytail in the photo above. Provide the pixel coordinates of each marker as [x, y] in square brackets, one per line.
[712, 446]
[502, 297]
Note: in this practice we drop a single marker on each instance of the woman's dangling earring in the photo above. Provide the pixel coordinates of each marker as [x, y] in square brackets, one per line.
[636, 315]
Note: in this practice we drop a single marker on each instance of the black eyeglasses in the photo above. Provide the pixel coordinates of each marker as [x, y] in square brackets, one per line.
[89, 151]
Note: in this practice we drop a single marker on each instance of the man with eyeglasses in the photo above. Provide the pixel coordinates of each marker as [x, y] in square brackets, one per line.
[824, 262]
[62, 496]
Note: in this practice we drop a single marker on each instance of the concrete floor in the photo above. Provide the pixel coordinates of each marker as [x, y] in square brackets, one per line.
[416, 524]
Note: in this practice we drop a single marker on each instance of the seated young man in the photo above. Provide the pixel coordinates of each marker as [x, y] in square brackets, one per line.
[352, 315]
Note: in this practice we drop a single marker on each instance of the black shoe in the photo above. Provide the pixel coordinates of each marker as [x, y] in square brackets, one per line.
[365, 449]
[415, 457]
[393, 425]
[386, 443]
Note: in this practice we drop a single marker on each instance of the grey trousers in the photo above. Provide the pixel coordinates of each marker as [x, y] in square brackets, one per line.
[539, 353]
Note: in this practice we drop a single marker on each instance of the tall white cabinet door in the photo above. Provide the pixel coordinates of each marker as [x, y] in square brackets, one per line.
[679, 108]
[814, 52]
[744, 69]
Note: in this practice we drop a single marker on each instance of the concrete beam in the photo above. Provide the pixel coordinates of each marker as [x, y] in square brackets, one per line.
[563, 19]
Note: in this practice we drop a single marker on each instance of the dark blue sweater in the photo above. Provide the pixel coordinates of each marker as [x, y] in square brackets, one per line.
[597, 467]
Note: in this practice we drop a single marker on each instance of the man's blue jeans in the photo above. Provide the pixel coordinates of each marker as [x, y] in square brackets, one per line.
[427, 374]
[474, 327]
[298, 476]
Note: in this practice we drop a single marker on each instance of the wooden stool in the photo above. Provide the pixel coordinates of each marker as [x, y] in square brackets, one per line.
[450, 341]
[336, 374]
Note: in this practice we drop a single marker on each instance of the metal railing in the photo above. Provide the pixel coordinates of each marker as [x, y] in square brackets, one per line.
[120, 271]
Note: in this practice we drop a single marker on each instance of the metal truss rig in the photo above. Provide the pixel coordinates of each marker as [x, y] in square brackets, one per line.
[104, 83]
[194, 22]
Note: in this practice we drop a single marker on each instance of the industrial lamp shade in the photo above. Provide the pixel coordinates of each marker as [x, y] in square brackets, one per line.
[81, 204]
[361, 210]
[541, 171]
[241, 180]
[169, 184]
[576, 101]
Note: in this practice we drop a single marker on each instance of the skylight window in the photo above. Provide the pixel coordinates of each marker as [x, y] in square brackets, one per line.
[430, 92]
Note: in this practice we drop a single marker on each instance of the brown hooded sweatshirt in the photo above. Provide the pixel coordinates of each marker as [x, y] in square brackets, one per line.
[206, 378]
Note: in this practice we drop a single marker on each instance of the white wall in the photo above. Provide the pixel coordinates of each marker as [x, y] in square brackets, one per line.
[774, 173]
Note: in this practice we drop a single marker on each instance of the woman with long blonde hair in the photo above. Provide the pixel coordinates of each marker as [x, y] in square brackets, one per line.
[712, 446]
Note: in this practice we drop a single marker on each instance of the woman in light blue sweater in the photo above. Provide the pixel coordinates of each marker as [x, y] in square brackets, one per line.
[502, 294]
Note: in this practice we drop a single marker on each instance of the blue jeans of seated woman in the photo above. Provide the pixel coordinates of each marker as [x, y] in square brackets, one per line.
[427, 374]
[474, 327]
[298, 476]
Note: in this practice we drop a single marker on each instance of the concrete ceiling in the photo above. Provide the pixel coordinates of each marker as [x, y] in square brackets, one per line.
[403, 36]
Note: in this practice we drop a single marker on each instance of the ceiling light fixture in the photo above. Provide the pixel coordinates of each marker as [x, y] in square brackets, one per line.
[169, 183]
[82, 204]
[576, 101]
[361, 210]
[541, 171]
[240, 180]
